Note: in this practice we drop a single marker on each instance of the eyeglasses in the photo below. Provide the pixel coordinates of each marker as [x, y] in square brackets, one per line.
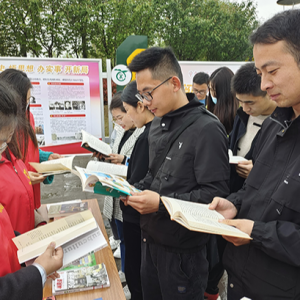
[148, 95]
[118, 120]
[202, 93]
[3, 147]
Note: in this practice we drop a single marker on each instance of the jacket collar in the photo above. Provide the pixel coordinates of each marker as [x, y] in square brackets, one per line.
[281, 115]
[243, 116]
[193, 103]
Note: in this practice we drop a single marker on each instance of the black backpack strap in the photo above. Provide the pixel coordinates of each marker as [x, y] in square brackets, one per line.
[163, 155]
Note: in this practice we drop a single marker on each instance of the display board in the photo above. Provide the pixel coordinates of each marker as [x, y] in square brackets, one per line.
[66, 99]
[191, 68]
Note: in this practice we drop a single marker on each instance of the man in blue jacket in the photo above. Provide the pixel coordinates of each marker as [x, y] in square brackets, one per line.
[268, 206]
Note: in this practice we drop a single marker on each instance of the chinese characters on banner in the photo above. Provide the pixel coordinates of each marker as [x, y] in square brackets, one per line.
[66, 98]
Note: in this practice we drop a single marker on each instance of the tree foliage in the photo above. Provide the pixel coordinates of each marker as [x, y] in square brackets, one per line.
[196, 30]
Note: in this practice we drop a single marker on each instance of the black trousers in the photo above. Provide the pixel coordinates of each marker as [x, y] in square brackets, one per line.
[170, 275]
[215, 249]
[132, 240]
[113, 227]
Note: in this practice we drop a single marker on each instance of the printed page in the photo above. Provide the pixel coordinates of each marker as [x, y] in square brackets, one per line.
[193, 209]
[196, 223]
[95, 143]
[198, 217]
[109, 180]
[93, 240]
[53, 165]
[235, 159]
[104, 167]
[43, 232]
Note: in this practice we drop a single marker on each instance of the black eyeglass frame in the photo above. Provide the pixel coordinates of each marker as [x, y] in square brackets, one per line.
[145, 95]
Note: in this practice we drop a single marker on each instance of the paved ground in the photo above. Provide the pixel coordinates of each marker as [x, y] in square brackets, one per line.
[68, 187]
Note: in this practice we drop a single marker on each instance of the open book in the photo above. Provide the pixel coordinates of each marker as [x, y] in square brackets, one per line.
[104, 167]
[235, 159]
[78, 235]
[93, 144]
[104, 183]
[54, 166]
[198, 217]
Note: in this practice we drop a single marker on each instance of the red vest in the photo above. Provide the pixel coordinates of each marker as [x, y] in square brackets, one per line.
[33, 156]
[8, 259]
[16, 193]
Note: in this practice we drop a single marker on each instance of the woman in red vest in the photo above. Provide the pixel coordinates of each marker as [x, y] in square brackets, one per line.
[25, 132]
[15, 194]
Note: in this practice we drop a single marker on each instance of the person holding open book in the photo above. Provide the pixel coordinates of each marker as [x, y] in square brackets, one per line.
[16, 283]
[188, 160]
[126, 136]
[267, 207]
[137, 170]
[25, 132]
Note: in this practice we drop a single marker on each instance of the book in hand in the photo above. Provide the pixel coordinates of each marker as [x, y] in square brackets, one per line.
[104, 183]
[198, 217]
[54, 166]
[77, 234]
[66, 209]
[81, 279]
[233, 159]
[93, 144]
[105, 167]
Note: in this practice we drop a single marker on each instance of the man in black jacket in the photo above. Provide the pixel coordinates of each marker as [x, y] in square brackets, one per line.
[196, 168]
[256, 106]
[268, 208]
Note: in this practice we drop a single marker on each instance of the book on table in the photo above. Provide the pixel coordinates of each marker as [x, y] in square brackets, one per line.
[81, 279]
[198, 217]
[93, 144]
[234, 159]
[66, 209]
[54, 166]
[78, 235]
[63, 202]
[86, 261]
[104, 183]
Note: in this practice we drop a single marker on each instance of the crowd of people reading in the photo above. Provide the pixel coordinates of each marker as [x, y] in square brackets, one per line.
[176, 145]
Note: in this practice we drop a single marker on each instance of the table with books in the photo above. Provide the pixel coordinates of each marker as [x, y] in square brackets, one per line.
[105, 255]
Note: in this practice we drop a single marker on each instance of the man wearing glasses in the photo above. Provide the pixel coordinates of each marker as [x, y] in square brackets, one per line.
[195, 168]
[200, 86]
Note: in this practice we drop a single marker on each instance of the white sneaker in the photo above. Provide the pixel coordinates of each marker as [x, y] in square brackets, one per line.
[127, 292]
[122, 276]
[114, 243]
[117, 253]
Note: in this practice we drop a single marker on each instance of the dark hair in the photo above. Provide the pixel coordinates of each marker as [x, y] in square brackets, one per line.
[283, 26]
[227, 104]
[201, 78]
[116, 102]
[246, 81]
[128, 95]
[19, 81]
[161, 62]
[8, 114]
